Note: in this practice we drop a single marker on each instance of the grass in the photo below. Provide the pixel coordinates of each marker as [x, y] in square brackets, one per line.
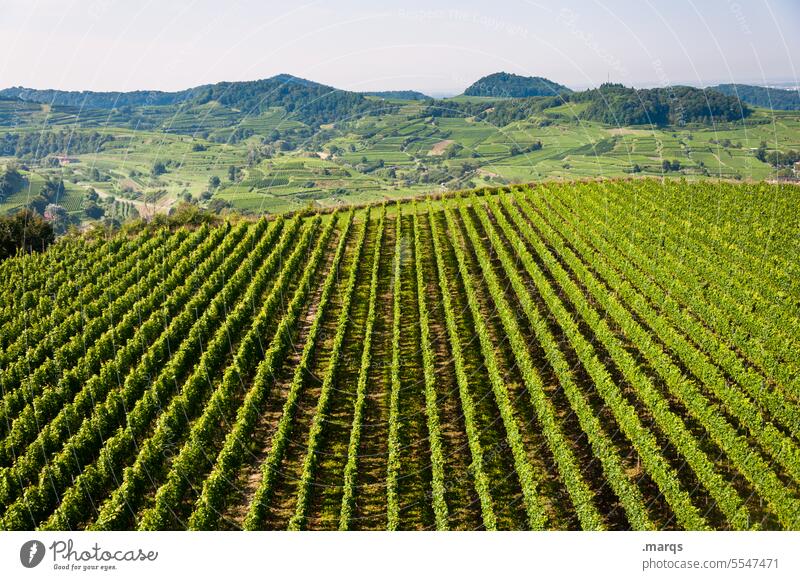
[401, 141]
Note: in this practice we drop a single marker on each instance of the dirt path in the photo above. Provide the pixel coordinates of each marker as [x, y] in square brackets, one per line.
[440, 147]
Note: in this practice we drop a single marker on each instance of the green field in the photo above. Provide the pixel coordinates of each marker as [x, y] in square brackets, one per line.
[606, 355]
[284, 165]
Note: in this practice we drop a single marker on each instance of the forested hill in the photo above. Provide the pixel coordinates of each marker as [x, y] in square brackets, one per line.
[769, 98]
[616, 104]
[310, 102]
[401, 95]
[307, 101]
[504, 84]
[94, 100]
[506, 98]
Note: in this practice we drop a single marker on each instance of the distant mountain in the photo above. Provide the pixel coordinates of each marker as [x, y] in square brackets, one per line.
[401, 95]
[770, 98]
[306, 101]
[91, 99]
[510, 85]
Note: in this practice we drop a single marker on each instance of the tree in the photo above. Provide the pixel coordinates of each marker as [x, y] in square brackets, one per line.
[26, 230]
[233, 173]
[92, 210]
[10, 181]
[158, 169]
[38, 203]
[58, 217]
[53, 190]
[218, 205]
[213, 182]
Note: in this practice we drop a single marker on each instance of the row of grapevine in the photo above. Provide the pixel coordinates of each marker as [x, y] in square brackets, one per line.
[269, 468]
[249, 281]
[393, 461]
[752, 466]
[211, 500]
[579, 491]
[537, 517]
[351, 467]
[88, 389]
[79, 420]
[440, 509]
[777, 403]
[315, 435]
[558, 356]
[481, 481]
[765, 334]
[148, 386]
[83, 354]
[188, 466]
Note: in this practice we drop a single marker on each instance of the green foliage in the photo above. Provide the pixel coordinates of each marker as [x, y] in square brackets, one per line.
[10, 182]
[617, 105]
[159, 168]
[767, 97]
[510, 85]
[399, 95]
[596, 355]
[26, 231]
[40, 144]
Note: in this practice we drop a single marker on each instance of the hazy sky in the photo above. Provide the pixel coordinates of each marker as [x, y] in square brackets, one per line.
[438, 46]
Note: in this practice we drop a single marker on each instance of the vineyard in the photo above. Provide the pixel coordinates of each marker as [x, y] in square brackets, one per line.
[604, 356]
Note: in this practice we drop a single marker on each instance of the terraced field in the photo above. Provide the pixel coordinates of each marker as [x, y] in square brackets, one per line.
[606, 355]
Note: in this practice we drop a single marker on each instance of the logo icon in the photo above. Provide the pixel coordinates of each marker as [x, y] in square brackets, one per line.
[31, 553]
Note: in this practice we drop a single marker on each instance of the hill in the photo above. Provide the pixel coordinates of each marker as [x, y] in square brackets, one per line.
[400, 95]
[616, 104]
[504, 84]
[307, 101]
[92, 99]
[281, 144]
[769, 98]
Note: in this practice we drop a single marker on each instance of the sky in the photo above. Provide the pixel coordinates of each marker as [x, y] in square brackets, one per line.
[435, 46]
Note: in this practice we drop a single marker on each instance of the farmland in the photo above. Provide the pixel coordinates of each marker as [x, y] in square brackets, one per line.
[401, 149]
[603, 355]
